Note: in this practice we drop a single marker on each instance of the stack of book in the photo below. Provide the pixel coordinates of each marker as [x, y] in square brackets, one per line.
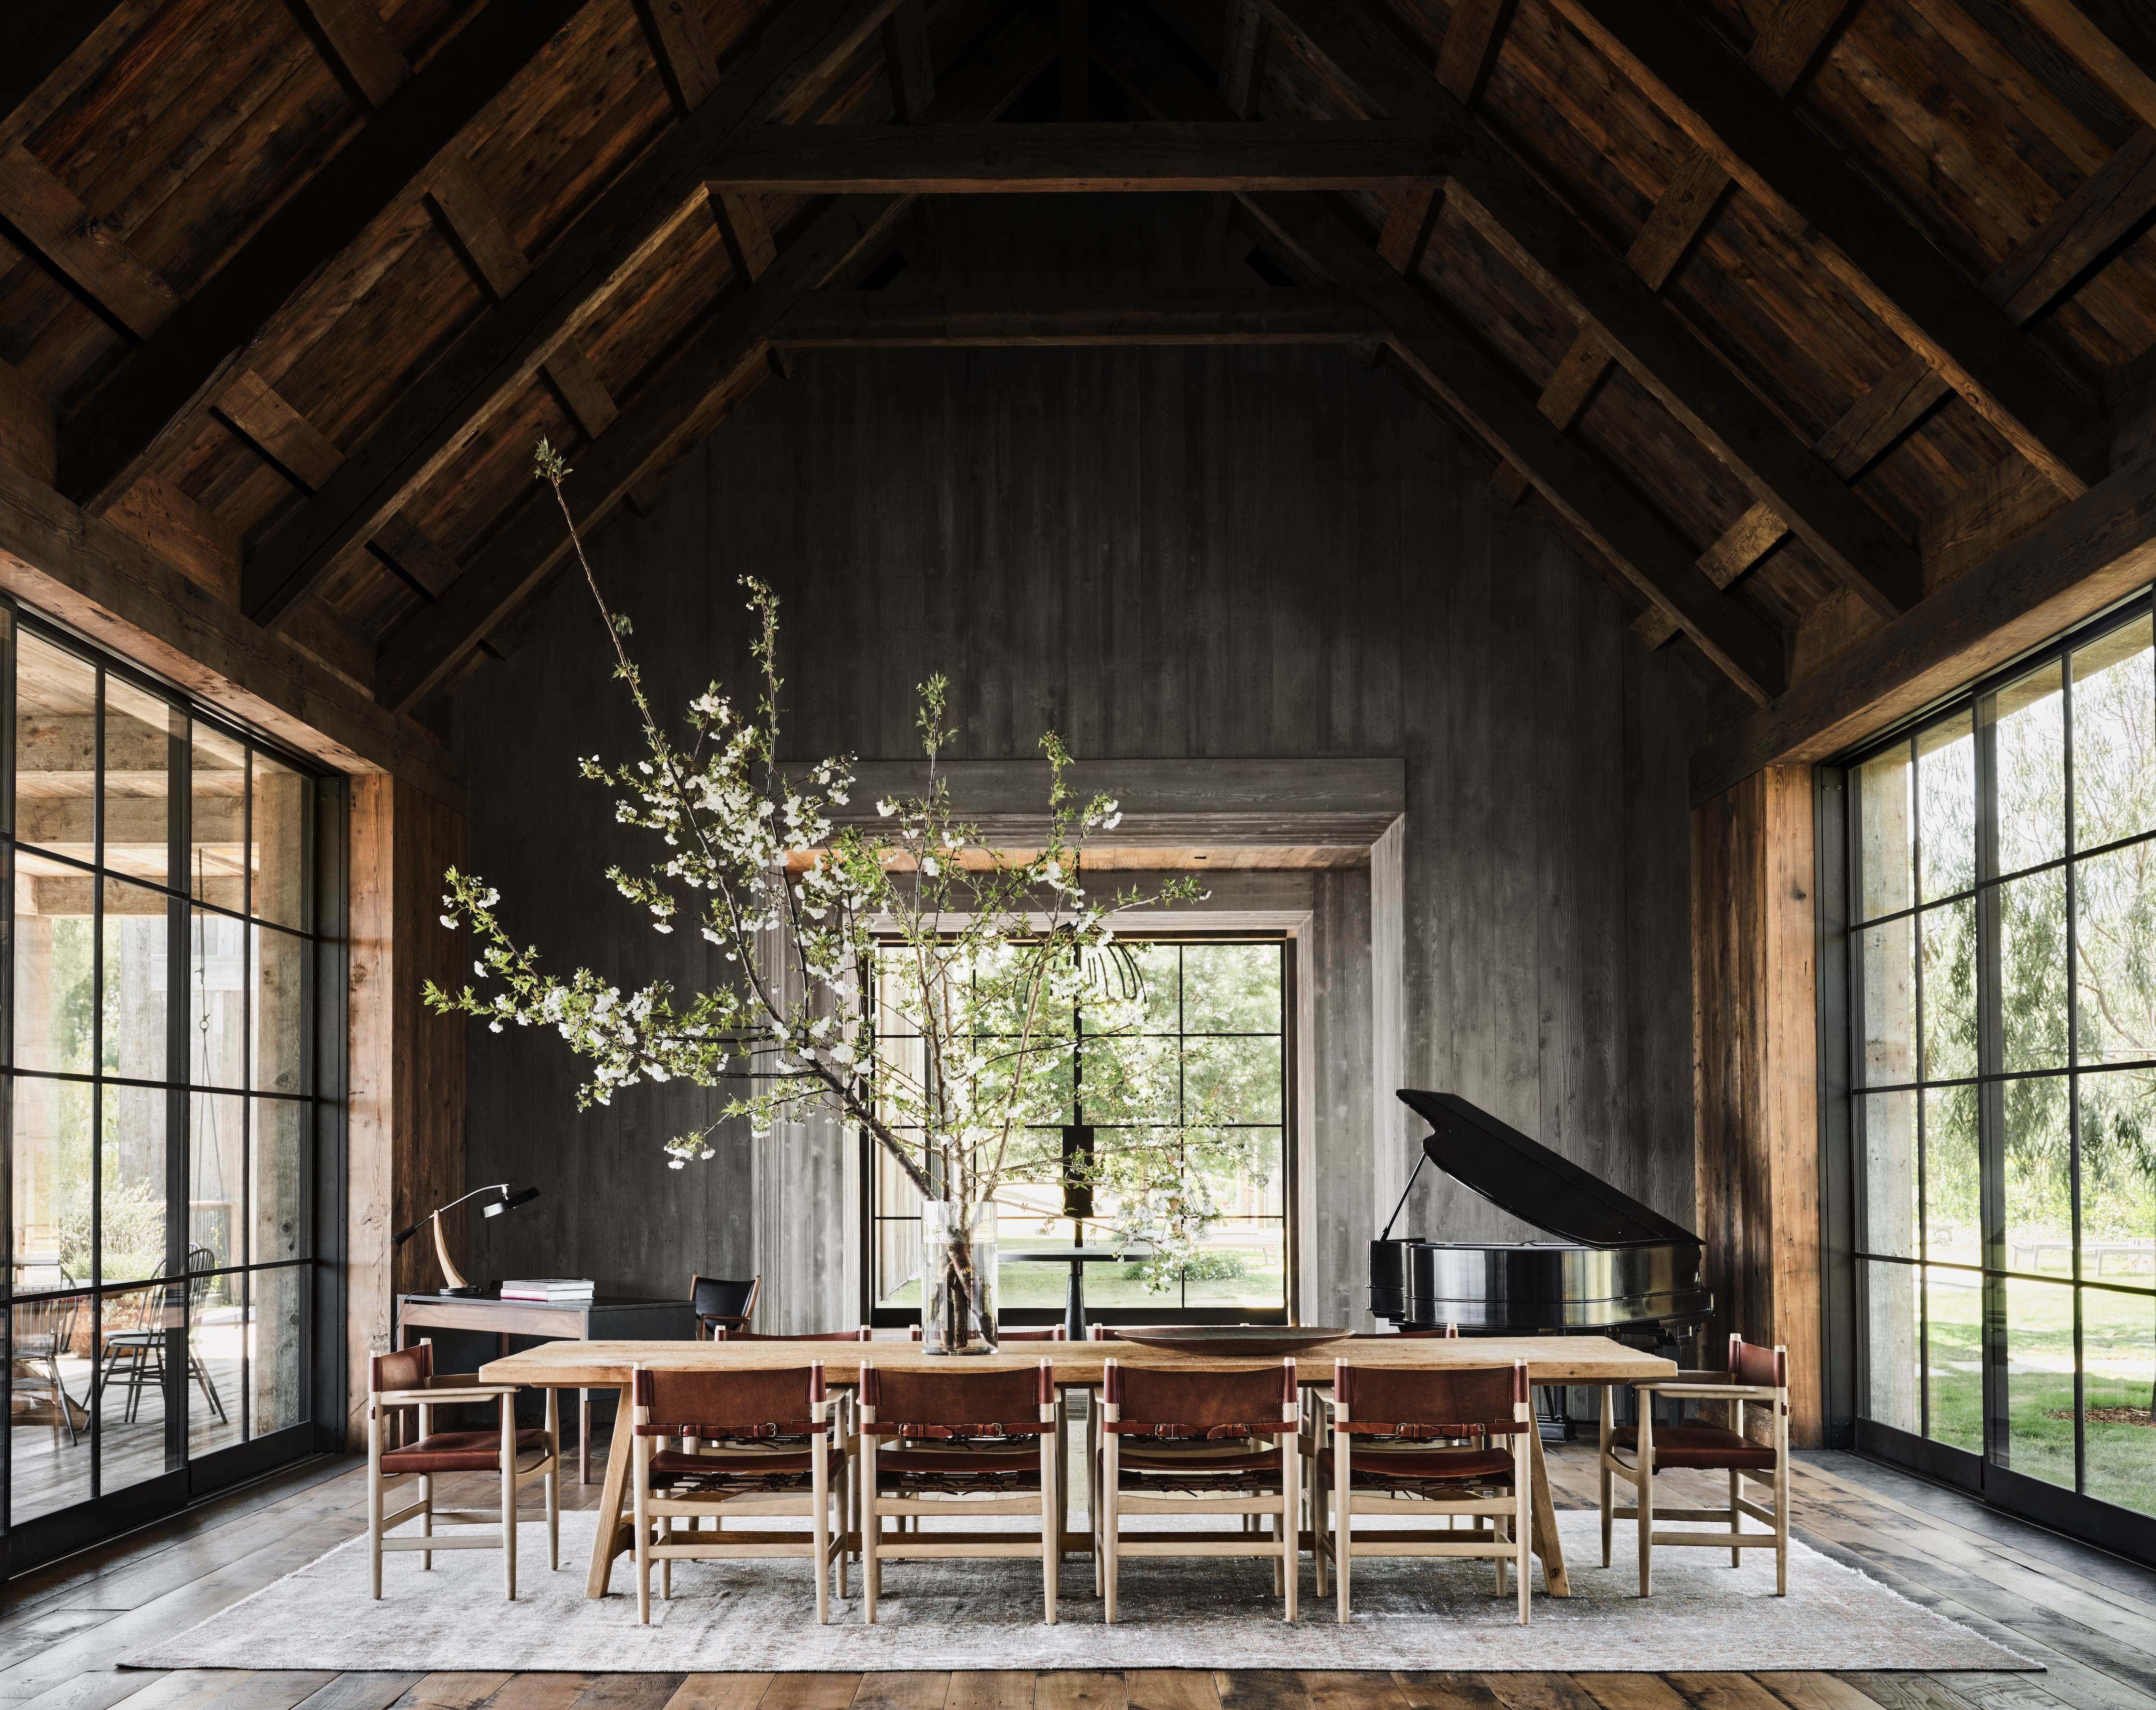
[555, 1291]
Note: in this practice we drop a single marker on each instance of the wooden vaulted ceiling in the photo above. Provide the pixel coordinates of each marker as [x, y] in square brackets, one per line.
[1791, 311]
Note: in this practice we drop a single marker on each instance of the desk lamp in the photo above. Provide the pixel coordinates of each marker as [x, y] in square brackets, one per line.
[504, 1201]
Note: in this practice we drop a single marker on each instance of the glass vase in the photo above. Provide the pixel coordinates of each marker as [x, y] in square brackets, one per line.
[958, 1277]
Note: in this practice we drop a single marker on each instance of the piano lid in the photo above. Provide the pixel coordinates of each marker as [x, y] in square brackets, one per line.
[1531, 1182]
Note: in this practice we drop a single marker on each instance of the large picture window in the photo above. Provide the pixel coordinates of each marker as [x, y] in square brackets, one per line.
[2002, 956]
[158, 1051]
[1217, 1028]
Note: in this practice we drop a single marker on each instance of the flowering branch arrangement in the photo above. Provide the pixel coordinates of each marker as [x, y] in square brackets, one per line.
[939, 995]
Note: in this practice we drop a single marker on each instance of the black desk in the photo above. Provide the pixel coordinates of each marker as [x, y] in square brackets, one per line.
[604, 1318]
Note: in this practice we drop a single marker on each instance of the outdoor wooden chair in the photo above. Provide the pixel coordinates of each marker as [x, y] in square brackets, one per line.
[719, 1303]
[1199, 1443]
[961, 1443]
[1408, 1464]
[1755, 1375]
[751, 1443]
[407, 1379]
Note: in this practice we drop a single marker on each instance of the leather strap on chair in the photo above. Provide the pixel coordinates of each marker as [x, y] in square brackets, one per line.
[899, 1428]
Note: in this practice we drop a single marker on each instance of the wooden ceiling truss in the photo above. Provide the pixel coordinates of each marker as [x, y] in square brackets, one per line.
[1819, 325]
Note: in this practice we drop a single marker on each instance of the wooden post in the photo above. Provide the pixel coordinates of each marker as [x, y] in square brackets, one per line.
[405, 1131]
[1755, 1035]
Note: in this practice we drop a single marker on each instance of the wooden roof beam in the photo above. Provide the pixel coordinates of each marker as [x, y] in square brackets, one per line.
[359, 49]
[1622, 316]
[503, 350]
[56, 42]
[720, 363]
[388, 164]
[1165, 315]
[2083, 558]
[1729, 111]
[989, 160]
[97, 263]
[1451, 365]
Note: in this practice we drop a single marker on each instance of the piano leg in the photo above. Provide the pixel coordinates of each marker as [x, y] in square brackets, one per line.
[1546, 1543]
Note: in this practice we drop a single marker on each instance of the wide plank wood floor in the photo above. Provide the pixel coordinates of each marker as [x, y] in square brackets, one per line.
[2089, 1618]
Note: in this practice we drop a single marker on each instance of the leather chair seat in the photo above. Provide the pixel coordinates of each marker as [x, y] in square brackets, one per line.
[1149, 1464]
[963, 1460]
[1707, 1447]
[457, 1451]
[1385, 1467]
[669, 1464]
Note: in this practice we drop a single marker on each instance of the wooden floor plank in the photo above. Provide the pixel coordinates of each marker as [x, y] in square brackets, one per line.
[810, 1691]
[547, 1690]
[1346, 1689]
[1725, 1692]
[1539, 1691]
[1807, 1690]
[453, 1691]
[993, 1689]
[1159, 1689]
[1078, 1689]
[719, 1691]
[99, 1691]
[1261, 1689]
[897, 1690]
[1908, 1691]
[1632, 1691]
[362, 1690]
[1426, 1690]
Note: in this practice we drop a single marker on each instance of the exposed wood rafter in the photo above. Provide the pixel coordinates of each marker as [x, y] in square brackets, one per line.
[1941, 314]
[1195, 315]
[79, 249]
[501, 353]
[388, 164]
[359, 47]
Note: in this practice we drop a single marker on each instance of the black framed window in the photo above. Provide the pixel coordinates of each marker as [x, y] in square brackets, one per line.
[162, 1098]
[1219, 1028]
[2001, 951]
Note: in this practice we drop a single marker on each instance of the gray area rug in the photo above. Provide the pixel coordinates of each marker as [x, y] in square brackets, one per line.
[971, 1614]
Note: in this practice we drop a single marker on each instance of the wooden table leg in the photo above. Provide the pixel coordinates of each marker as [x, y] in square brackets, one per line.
[606, 1543]
[1546, 1543]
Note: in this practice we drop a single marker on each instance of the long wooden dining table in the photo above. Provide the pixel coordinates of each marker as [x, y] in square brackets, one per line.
[1582, 1360]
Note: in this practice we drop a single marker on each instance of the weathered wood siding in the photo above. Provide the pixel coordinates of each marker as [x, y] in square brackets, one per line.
[1163, 553]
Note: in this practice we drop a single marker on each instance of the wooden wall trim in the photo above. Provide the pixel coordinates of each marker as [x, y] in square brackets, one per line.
[90, 574]
[1756, 1129]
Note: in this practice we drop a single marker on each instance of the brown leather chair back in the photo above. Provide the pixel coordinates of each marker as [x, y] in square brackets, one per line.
[907, 1404]
[1465, 1401]
[1760, 1368]
[720, 1404]
[1259, 1401]
[407, 1368]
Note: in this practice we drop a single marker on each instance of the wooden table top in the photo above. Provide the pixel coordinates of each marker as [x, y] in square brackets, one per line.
[1551, 1359]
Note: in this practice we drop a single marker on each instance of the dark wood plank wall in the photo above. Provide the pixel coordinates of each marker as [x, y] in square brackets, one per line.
[1176, 554]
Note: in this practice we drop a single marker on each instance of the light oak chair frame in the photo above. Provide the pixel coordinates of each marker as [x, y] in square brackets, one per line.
[654, 1515]
[871, 1505]
[441, 1391]
[1726, 1387]
[1501, 1529]
[1281, 1513]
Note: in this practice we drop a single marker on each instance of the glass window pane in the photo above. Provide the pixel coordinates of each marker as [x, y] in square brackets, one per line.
[1893, 1316]
[134, 994]
[2115, 946]
[135, 1194]
[55, 968]
[2039, 1381]
[1242, 1169]
[282, 802]
[2027, 720]
[1231, 988]
[2040, 1182]
[1889, 1121]
[1158, 968]
[1946, 808]
[1885, 828]
[1953, 1230]
[217, 1336]
[279, 1013]
[53, 1185]
[2114, 758]
[1242, 1263]
[217, 1177]
[142, 1328]
[55, 742]
[1886, 999]
[216, 1000]
[2032, 971]
[2118, 1378]
[276, 1372]
[54, 1341]
[217, 836]
[2118, 1178]
[1947, 939]
[277, 1181]
[138, 728]
[1128, 1080]
[1231, 1079]
[1953, 1374]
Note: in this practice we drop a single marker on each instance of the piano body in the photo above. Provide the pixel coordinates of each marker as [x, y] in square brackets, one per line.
[1614, 1268]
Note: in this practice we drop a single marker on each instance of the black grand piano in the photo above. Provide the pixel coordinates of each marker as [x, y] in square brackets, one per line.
[1615, 1268]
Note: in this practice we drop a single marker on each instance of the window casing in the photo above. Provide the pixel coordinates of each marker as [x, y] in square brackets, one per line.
[1224, 1005]
[165, 1104]
[2001, 1121]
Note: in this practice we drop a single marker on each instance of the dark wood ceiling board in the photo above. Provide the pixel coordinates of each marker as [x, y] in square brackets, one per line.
[2040, 56]
[123, 92]
[52, 337]
[2022, 67]
[2115, 44]
[411, 439]
[1639, 439]
[65, 51]
[1513, 314]
[1943, 314]
[106, 270]
[359, 47]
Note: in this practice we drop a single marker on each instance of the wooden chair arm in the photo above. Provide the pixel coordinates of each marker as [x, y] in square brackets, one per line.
[1706, 1392]
[443, 1390]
